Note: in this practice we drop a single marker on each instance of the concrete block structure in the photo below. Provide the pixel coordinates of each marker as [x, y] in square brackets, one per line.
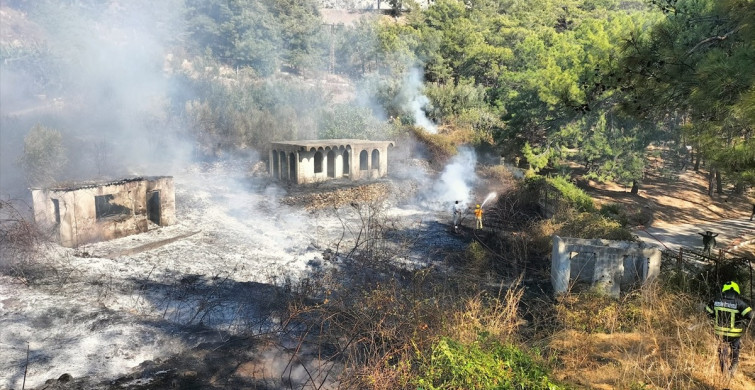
[318, 160]
[89, 212]
[609, 266]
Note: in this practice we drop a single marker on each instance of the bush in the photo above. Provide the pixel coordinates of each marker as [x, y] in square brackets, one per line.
[440, 147]
[483, 364]
[615, 212]
[571, 193]
[589, 225]
[44, 155]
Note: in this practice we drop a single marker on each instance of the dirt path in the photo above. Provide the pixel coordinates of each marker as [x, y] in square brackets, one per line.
[731, 234]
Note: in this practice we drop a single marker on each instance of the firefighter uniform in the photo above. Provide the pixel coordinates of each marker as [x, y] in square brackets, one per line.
[731, 315]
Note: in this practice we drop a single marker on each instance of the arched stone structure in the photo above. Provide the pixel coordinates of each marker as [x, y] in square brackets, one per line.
[316, 160]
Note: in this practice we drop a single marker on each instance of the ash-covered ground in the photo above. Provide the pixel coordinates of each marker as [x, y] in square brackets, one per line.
[104, 310]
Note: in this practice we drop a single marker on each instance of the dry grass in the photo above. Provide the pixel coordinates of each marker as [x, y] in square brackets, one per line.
[671, 347]
[497, 317]
[380, 330]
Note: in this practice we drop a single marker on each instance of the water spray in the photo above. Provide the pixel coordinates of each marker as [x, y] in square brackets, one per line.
[489, 197]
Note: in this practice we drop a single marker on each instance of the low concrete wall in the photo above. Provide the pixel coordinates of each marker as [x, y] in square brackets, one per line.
[609, 266]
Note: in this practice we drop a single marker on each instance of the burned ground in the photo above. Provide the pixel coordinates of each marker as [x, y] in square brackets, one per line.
[206, 302]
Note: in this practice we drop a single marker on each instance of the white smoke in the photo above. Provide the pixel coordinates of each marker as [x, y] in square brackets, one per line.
[415, 102]
[455, 182]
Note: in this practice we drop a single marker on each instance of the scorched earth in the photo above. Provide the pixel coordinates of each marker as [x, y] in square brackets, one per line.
[103, 309]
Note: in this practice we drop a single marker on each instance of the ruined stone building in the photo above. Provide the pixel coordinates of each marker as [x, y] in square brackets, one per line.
[318, 160]
[90, 212]
[606, 266]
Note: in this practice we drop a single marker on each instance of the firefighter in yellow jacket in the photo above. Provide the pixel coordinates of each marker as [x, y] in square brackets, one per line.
[478, 216]
[731, 315]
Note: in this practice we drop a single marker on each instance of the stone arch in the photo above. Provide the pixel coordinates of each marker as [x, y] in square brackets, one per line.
[375, 159]
[363, 162]
[318, 161]
[331, 162]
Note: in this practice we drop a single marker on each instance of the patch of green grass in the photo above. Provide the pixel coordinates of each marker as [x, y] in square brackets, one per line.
[483, 364]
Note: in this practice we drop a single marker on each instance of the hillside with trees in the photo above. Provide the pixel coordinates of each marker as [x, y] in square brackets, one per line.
[610, 104]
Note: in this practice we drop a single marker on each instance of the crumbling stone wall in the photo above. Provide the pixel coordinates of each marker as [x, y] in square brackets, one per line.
[608, 266]
[71, 212]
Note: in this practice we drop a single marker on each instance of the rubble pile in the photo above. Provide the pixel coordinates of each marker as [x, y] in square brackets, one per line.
[339, 196]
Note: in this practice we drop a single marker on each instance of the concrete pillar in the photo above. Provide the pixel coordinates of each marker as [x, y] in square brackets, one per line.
[653, 265]
[560, 266]
[384, 161]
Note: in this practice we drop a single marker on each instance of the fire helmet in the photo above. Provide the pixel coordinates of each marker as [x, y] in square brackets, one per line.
[478, 206]
[731, 286]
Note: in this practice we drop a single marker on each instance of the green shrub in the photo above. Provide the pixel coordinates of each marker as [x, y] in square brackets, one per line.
[571, 193]
[483, 364]
[615, 212]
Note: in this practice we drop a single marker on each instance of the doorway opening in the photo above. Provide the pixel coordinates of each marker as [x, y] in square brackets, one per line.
[153, 207]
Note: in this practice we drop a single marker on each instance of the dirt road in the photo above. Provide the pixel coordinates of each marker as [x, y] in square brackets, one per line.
[731, 234]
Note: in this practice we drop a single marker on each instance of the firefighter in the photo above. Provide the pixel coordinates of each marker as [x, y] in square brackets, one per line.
[478, 216]
[457, 215]
[731, 315]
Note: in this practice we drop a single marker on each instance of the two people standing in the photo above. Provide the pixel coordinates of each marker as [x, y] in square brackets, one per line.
[457, 212]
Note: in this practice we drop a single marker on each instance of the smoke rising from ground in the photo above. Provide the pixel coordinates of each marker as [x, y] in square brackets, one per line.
[102, 85]
[414, 101]
[454, 183]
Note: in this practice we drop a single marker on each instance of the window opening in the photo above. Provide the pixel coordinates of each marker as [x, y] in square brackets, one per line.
[56, 205]
[292, 167]
[284, 166]
[276, 168]
[105, 209]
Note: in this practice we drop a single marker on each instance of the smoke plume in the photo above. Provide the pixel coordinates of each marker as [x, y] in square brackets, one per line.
[414, 101]
[455, 182]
